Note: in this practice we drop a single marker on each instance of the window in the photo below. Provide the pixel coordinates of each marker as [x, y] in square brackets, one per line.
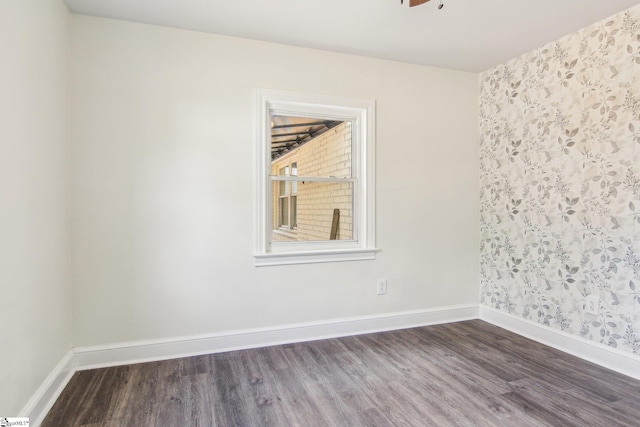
[315, 179]
[287, 198]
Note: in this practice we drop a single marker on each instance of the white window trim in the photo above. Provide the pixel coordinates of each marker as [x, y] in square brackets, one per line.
[362, 113]
[286, 232]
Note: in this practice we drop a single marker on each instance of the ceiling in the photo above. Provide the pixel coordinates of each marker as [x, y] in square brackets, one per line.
[468, 35]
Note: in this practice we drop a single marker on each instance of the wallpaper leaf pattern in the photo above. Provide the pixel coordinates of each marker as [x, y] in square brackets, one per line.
[560, 183]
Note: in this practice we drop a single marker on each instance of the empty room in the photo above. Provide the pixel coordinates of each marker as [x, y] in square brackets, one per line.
[320, 213]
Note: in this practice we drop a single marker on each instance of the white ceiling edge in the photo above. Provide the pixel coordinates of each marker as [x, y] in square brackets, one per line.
[466, 35]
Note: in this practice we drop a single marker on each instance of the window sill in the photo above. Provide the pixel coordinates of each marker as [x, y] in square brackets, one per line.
[287, 232]
[310, 257]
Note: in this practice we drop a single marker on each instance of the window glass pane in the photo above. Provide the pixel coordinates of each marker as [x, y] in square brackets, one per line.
[294, 172]
[311, 147]
[322, 147]
[284, 211]
[294, 211]
[284, 186]
[312, 211]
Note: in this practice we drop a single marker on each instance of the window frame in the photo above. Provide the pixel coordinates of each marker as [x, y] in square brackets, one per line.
[361, 112]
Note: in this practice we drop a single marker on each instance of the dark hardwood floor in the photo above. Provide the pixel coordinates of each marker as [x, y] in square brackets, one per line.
[461, 374]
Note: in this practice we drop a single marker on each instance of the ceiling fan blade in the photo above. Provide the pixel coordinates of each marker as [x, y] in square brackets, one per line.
[416, 2]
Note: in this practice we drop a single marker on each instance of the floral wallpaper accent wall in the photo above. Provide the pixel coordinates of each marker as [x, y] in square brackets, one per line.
[560, 183]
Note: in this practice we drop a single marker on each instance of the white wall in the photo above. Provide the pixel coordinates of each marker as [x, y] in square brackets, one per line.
[35, 329]
[163, 236]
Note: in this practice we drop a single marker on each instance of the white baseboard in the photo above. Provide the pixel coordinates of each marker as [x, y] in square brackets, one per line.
[82, 358]
[600, 354]
[145, 351]
[38, 406]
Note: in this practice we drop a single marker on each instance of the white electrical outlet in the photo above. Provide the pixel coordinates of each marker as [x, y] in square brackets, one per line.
[382, 286]
[592, 304]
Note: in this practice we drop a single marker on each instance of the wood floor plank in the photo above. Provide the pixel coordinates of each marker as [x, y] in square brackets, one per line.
[571, 408]
[607, 385]
[462, 374]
